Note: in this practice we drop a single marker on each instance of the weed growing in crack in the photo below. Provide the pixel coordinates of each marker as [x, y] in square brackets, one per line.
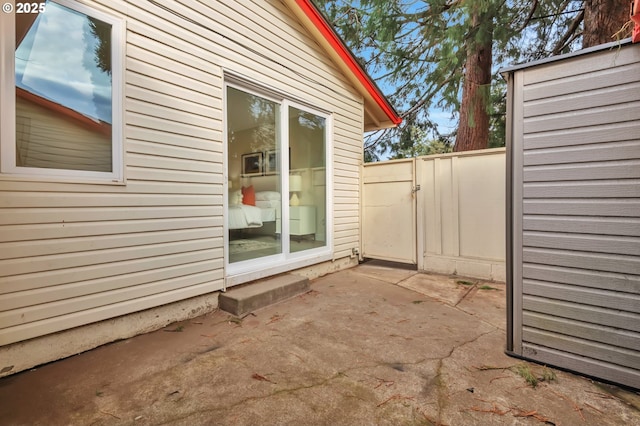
[548, 375]
[487, 287]
[524, 371]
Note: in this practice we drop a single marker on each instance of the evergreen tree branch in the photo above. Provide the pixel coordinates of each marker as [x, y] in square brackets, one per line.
[562, 43]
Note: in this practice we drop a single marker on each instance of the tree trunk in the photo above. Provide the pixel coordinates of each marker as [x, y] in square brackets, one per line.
[473, 130]
[602, 19]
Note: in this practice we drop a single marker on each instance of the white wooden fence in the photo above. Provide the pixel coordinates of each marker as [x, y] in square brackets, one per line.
[445, 213]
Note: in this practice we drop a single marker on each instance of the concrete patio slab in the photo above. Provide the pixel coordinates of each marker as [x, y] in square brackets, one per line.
[449, 289]
[354, 350]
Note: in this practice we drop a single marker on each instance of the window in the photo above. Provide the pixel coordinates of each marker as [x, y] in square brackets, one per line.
[62, 110]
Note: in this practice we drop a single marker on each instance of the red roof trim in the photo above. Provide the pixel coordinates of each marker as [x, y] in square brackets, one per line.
[635, 17]
[329, 34]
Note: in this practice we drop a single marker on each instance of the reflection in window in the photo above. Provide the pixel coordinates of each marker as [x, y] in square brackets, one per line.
[307, 180]
[63, 91]
[255, 201]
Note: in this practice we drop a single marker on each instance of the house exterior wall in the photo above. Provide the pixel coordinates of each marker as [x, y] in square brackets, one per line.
[575, 236]
[73, 253]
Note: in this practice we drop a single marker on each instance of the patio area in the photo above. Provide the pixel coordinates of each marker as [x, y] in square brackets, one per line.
[373, 345]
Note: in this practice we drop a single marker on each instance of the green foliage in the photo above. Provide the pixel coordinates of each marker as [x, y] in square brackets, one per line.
[102, 33]
[486, 287]
[414, 141]
[498, 114]
[524, 371]
[427, 147]
[416, 51]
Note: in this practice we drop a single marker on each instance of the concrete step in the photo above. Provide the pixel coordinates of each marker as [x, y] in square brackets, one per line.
[256, 295]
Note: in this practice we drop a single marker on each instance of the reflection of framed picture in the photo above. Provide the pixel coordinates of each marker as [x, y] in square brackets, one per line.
[252, 163]
[270, 162]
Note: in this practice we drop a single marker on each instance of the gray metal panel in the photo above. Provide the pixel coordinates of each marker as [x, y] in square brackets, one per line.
[599, 189]
[582, 260]
[582, 312]
[616, 373]
[576, 234]
[583, 90]
[586, 278]
[583, 136]
[594, 332]
[517, 161]
[608, 298]
[585, 153]
[569, 343]
[611, 207]
[629, 111]
[627, 169]
[583, 225]
[583, 242]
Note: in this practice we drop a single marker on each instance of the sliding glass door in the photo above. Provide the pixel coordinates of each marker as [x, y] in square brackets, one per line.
[253, 149]
[277, 180]
[307, 206]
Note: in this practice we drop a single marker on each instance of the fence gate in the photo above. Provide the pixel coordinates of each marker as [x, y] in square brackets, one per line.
[389, 211]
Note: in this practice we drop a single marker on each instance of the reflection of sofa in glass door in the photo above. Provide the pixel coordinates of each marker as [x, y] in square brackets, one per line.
[302, 220]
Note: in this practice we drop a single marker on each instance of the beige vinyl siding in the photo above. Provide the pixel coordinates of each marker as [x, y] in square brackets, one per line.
[580, 224]
[347, 163]
[47, 139]
[74, 252]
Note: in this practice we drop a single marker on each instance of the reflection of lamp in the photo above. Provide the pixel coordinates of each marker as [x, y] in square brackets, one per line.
[295, 185]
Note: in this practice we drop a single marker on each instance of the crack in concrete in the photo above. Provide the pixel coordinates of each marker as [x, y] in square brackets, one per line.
[443, 396]
[473, 340]
[464, 296]
[481, 319]
[474, 287]
[257, 398]
[293, 390]
[406, 279]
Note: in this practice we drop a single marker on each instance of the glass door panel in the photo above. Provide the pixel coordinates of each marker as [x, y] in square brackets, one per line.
[307, 180]
[255, 201]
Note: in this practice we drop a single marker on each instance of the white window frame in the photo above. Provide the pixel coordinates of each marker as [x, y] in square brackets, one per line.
[249, 270]
[8, 167]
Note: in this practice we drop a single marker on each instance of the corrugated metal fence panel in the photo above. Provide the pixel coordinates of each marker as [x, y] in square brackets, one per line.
[581, 214]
